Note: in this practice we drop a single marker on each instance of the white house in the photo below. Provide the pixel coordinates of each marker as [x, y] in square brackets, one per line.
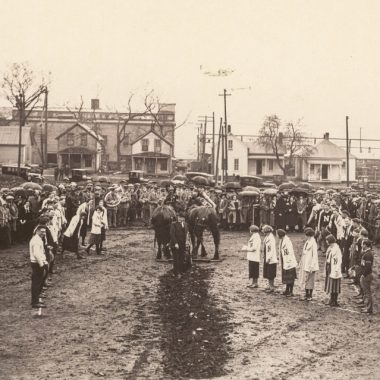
[237, 155]
[250, 158]
[152, 153]
[326, 164]
[262, 161]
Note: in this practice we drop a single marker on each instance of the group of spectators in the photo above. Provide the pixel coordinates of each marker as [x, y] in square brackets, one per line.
[63, 216]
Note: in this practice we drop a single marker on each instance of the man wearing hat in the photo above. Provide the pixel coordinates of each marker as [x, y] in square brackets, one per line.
[112, 201]
[178, 240]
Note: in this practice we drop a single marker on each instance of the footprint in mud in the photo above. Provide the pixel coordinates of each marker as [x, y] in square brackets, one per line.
[195, 327]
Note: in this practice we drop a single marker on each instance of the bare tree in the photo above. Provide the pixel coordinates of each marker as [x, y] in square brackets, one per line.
[77, 110]
[288, 141]
[19, 87]
[151, 108]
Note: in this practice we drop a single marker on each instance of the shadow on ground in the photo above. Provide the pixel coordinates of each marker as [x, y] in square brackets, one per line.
[195, 327]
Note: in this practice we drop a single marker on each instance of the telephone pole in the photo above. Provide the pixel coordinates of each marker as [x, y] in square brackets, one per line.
[347, 155]
[225, 133]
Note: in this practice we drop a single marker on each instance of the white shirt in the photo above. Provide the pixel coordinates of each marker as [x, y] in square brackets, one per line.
[37, 251]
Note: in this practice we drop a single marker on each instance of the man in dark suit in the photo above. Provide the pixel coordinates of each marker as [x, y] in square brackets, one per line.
[178, 240]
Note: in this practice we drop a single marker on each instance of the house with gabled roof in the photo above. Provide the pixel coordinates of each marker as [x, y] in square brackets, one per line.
[79, 147]
[326, 163]
[152, 153]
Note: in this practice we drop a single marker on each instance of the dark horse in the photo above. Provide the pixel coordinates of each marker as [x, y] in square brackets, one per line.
[161, 220]
[198, 219]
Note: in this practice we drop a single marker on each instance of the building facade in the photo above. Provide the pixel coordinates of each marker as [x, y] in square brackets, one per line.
[9, 143]
[326, 163]
[116, 148]
[79, 147]
[250, 158]
[368, 166]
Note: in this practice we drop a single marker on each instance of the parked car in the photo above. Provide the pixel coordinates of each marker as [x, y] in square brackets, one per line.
[210, 178]
[26, 172]
[78, 175]
[137, 176]
[251, 180]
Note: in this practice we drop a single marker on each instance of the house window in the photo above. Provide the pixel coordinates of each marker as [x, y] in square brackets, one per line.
[70, 139]
[170, 117]
[138, 164]
[164, 165]
[230, 144]
[270, 165]
[312, 168]
[52, 158]
[157, 145]
[236, 164]
[144, 145]
[83, 139]
[325, 172]
[87, 160]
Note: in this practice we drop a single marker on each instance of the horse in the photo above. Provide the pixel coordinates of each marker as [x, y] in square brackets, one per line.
[161, 220]
[198, 219]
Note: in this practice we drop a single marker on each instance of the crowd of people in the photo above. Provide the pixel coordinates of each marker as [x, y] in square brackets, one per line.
[342, 225]
[343, 241]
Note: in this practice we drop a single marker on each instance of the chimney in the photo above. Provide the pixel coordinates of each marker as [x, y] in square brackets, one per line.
[326, 136]
[94, 104]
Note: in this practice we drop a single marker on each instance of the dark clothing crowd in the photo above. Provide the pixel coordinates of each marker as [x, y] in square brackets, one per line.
[69, 216]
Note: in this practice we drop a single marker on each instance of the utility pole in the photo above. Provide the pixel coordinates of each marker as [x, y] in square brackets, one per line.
[217, 152]
[225, 131]
[46, 127]
[360, 140]
[347, 155]
[204, 162]
[198, 145]
[213, 145]
[20, 104]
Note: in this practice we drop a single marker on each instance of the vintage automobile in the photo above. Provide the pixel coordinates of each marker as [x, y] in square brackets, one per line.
[137, 176]
[255, 181]
[78, 175]
[26, 172]
[210, 178]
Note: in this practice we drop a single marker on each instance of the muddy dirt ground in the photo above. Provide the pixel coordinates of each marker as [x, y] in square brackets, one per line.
[124, 316]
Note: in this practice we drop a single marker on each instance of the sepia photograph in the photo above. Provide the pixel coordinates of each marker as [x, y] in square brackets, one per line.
[190, 190]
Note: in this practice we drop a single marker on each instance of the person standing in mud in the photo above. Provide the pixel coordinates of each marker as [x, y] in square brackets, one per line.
[270, 258]
[178, 239]
[333, 270]
[288, 262]
[253, 249]
[309, 265]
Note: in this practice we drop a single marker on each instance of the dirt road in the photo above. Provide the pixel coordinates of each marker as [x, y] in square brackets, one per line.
[124, 316]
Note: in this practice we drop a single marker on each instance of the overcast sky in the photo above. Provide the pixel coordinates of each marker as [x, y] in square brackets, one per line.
[316, 60]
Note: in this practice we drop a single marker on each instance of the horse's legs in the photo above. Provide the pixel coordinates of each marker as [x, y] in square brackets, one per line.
[167, 251]
[216, 236]
[194, 251]
[203, 249]
[159, 252]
